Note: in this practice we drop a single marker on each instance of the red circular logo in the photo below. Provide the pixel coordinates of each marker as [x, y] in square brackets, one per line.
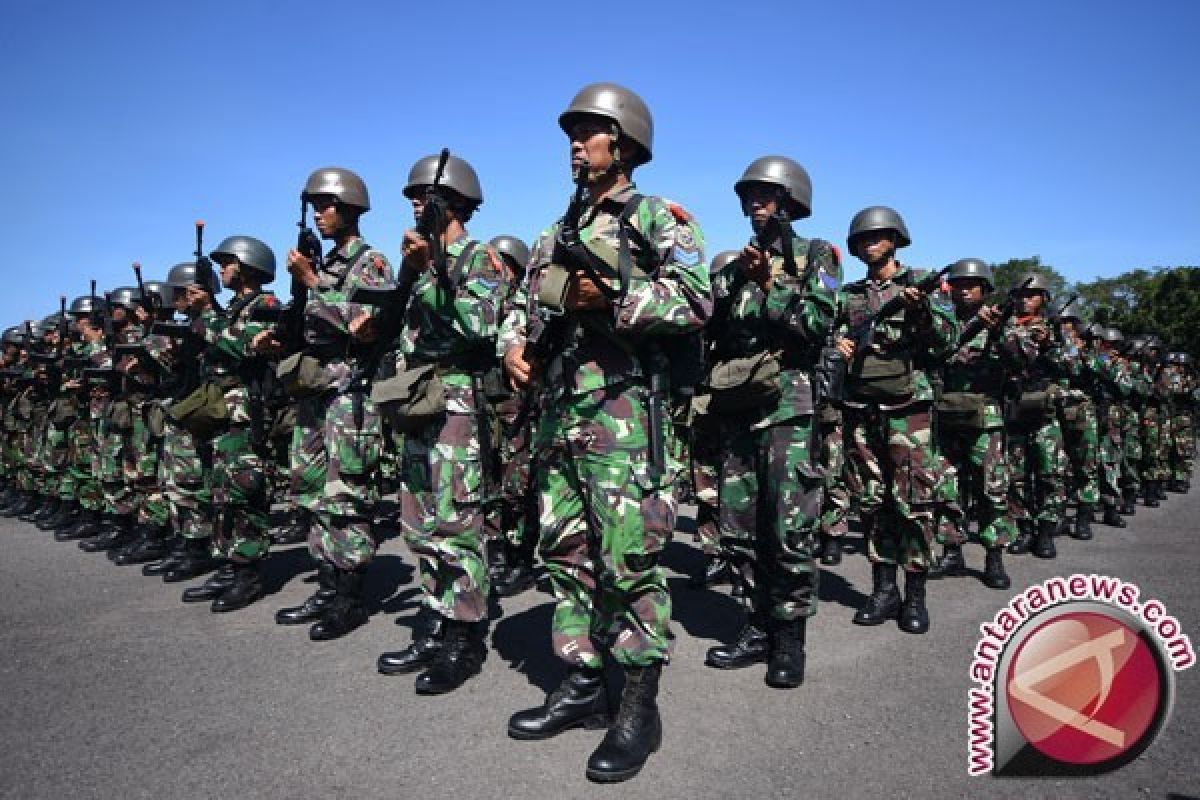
[1084, 688]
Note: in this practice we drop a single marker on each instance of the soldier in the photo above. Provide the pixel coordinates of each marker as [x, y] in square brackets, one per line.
[1112, 385]
[240, 497]
[1077, 417]
[609, 284]
[1155, 424]
[774, 306]
[337, 441]
[970, 423]
[1180, 381]
[447, 458]
[516, 523]
[1037, 495]
[891, 463]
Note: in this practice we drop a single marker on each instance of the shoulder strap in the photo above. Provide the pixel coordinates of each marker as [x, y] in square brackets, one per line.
[625, 229]
[235, 309]
[458, 269]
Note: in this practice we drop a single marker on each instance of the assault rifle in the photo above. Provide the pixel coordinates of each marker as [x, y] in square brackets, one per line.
[204, 265]
[145, 300]
[864, 333]
[1009, 307]
[394, 302]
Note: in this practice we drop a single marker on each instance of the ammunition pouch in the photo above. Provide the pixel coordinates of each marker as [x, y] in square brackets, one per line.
[203, 413]
[303, 375]
[412, 399]
[1031, 409]
[961, 411]
[886, 379]
[120, 415]
[1073, 414]
[66, 411]
[552, 289]
[743, 384]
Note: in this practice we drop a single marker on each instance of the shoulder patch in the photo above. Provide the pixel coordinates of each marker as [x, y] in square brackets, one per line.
[837, 253]
[679, 212]
[270, 300]
[380, 265]
[494, 260]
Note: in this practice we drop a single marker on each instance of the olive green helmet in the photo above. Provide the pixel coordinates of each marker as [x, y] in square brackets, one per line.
[84, 304]
[186, 274]
[14, 336]
[721, 260]
[250, 252]
[972, 268]
[620, 105]
[341, 183]
[1094, 331]
[878, 218]
[458, 175]
[785, 173]
[125, 296]
[1072, 310]
[1113, 336]
[512, 249]
[1033, 282]
[161, 293]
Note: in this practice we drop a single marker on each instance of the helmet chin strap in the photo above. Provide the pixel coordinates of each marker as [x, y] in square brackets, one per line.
[615, 165]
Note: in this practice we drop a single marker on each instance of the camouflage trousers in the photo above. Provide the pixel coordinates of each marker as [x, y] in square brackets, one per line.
[1183, 446]
[605, 516]
[441, 515]
[979, 480]
[141, 450]
[1039, 468]
[1111, 454]
[705, 454]
[335, 454]
[240, 499]
[769, 506]
[835, 507]
[109, 467]
[513, 518]
[891, 469]
[1151, 465]
[185, 467]
[80, 444]
[1131, 435]
[1081, 440]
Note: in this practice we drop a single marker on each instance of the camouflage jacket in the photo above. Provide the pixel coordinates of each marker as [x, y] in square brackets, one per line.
[793, 319]
[1041, 365]
[456, 326]
[229, 334]
[981, 366]
[329, 312]
[672, 297]
[927, 332]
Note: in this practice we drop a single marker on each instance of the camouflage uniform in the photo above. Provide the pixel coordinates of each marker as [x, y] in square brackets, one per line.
[1152, 465]
[890, 457]
[337, 440]
[1180, 385]
[443, 484]
[1081, 435]
[238, 478]
[1111, 386]
[606, 515]
[1131, 434]
[771, 480]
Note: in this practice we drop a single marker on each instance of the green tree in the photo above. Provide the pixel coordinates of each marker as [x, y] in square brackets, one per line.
[1009, 273]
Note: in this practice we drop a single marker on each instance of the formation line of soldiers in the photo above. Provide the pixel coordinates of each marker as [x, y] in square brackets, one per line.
[500, 405]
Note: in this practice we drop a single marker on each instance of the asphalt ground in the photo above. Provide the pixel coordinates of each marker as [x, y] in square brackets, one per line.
[112, 688]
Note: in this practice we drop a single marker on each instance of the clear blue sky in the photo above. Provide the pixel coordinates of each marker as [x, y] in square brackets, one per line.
[1066, 129]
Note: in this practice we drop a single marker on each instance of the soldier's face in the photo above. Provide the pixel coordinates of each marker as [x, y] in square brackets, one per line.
[591, 141]
[759, 202]
[1031, 302]
[875, 247]
[229, 272]
[967, 292]
[326, 216]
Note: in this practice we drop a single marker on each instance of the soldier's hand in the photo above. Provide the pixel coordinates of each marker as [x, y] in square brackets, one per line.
[302, 268]
[990, 315]
[845, 347]
[265, 342]
[913, 297]
[139, 315]
[519, 371]
[584, 295]
[415, 249]
[757, 266]
[1041, 335]
[363, 328]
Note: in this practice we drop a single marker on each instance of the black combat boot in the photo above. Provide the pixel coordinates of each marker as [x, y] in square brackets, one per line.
[1024, 541]
[994, 576]
[35, 505]
[345, 611]
[296, 530]
[311, 609]
[142, 531]
[154, 544]
[581, 700]
[1149, 494]
[520, 575]
[49, 508]
[247, 587]
[176, 553]
[87, 526]
[22, 504]
[70, 515]
[831, 550]
[884, 602]
[914, 617]
[1043, 546]
[118, 531]
[750, 647]
[950, 564]
[1175, 485]
[1129, 504]
[785, 669]
[1112, 518]
[1159, 491]
[714, 571]
[59, 516]
[212, 588]
[426, 642]
[459, 658]
[197, 560]
[1083, 522]
[635, 733]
